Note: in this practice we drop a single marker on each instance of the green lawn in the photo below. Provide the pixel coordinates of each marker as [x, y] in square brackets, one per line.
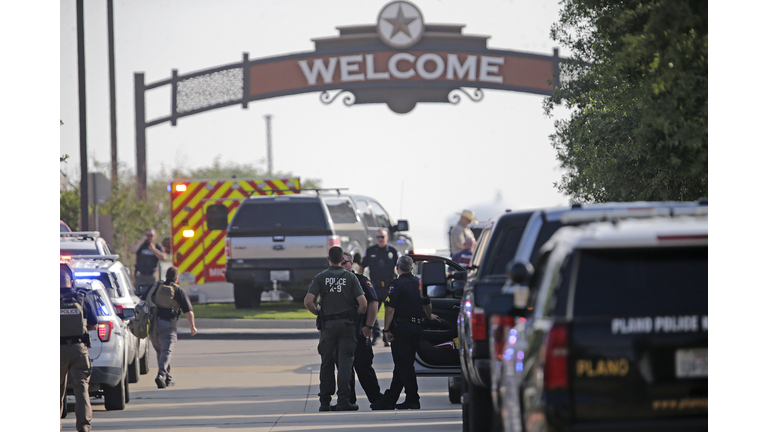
[267, 310]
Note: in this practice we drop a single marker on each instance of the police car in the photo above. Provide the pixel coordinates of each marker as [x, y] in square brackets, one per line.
[83, 243]
[108, 351]
[616, 334]
[117, 282]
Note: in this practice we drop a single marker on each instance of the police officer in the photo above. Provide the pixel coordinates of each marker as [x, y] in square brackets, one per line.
[163, 330]
[404, 312]
[363, 364]
[73, 360]
[461, 230]
[338, 289]
[381, 258]
[148, 254]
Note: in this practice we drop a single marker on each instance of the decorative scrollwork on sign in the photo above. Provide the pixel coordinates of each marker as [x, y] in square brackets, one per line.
[348, 99]
[454, 97]
[209, 90]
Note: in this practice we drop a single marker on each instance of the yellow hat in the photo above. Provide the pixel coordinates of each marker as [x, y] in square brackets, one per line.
[469, 214]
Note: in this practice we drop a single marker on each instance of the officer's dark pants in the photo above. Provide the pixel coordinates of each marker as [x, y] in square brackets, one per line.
[381, 294]
[75, 362]
[336, 338]
[404, 346]
[163, 338]
[365, 372]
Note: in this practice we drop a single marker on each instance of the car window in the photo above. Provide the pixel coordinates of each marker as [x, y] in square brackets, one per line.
[382, 219]
[297, 217]
[362, 207]
[341, 211]
[546, 231]
[102, 305]
[127, 278]
[479, 253]
[123, 286]
[648, 281]
[109, 284]
[504, 249]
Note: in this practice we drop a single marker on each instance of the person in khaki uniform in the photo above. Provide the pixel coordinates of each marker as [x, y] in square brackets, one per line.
[73, 360]
[461, 231]
[338, 290]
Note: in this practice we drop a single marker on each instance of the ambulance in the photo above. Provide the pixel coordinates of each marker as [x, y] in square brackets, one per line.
[200, 212]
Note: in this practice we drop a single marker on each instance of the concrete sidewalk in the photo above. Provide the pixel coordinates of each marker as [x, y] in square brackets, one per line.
[216, 328]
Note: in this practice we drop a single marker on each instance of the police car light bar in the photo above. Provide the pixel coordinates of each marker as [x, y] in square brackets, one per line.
[78, 234]
[87, 274]
[113, 257]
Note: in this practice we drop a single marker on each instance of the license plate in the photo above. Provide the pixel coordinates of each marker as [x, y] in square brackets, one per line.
[280, 275]
[691, 363]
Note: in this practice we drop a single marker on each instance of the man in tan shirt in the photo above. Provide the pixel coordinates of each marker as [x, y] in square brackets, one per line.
[461, 231]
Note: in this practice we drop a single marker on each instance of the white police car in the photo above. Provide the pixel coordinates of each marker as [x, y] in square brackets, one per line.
[108, 351]
[117, 282]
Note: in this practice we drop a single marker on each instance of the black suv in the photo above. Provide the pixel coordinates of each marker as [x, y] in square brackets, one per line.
[616, 330]
[283, 240]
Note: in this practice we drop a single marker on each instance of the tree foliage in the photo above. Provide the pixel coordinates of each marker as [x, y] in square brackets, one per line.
[637, 87]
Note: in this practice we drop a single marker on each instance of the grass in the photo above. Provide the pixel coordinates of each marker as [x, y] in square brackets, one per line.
[267, 310]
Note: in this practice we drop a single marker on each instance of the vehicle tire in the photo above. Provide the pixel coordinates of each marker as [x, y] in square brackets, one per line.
[464, 406]
[480, 409]
[114, 397]
[144, 362]
[133, 370]
[454, 395]
[66, 408]
[244, 296]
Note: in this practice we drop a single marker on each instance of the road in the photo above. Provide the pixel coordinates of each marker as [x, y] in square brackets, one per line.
[261, 385]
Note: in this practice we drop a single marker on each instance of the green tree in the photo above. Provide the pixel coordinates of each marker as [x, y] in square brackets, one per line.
[637, 88]
[69, 208]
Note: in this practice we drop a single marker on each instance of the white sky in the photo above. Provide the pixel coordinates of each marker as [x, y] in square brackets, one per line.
[425, 166]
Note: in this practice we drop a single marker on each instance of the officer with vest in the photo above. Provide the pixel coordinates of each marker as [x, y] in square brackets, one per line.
[381, 259]
[363, 364]
[404, 312]
[148, 254]
[170, 300]
[338, 290]
[78, 317]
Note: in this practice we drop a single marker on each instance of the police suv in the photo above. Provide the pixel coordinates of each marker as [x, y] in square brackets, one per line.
[615, 333]
[117, 283]
[283, 240]
[108, 351]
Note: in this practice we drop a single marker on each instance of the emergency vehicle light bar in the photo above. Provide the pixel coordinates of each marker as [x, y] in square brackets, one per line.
[113, 257]
[316, 190]
[81, 234]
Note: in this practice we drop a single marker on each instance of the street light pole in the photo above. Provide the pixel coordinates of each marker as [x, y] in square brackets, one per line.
[81, 98]
[268, 118]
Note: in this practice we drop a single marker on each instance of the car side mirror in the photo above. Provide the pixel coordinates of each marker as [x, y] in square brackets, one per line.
[402, 225]
[127, 314]
[519, 272]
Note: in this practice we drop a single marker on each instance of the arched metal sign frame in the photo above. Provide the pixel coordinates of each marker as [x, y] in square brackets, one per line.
[360, 66]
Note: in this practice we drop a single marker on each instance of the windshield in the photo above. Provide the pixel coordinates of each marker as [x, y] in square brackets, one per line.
[275, 218]
[645, 281]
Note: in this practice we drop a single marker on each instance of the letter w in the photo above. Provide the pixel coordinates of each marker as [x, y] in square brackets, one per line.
[318, 66]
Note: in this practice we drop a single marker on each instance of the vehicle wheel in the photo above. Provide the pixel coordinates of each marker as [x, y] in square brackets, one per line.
[244, 296]
[480, 409]
[65, 409]
[114, 397]
[454, 394]
[133, 370]
[144, 362]
[464, 406]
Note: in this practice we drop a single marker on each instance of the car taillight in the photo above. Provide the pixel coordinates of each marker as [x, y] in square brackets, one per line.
[105, 331]
[64, 259]
[478, 325]
[500, 326]
[333, 241]
[226, 248]
[556, 358]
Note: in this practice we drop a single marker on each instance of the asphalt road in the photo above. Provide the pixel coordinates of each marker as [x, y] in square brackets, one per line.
[261, 385]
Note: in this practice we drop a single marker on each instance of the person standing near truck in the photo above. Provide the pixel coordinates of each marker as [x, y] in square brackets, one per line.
[381, 258]
[461, 231]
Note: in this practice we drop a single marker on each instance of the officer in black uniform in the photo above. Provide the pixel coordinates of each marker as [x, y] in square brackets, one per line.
[404, 312]
[73, 360]
[381, 258]
[148, 254]
[363, 364]
[338, 289]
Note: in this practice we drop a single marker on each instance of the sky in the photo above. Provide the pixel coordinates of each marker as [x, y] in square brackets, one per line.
[424, 166]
